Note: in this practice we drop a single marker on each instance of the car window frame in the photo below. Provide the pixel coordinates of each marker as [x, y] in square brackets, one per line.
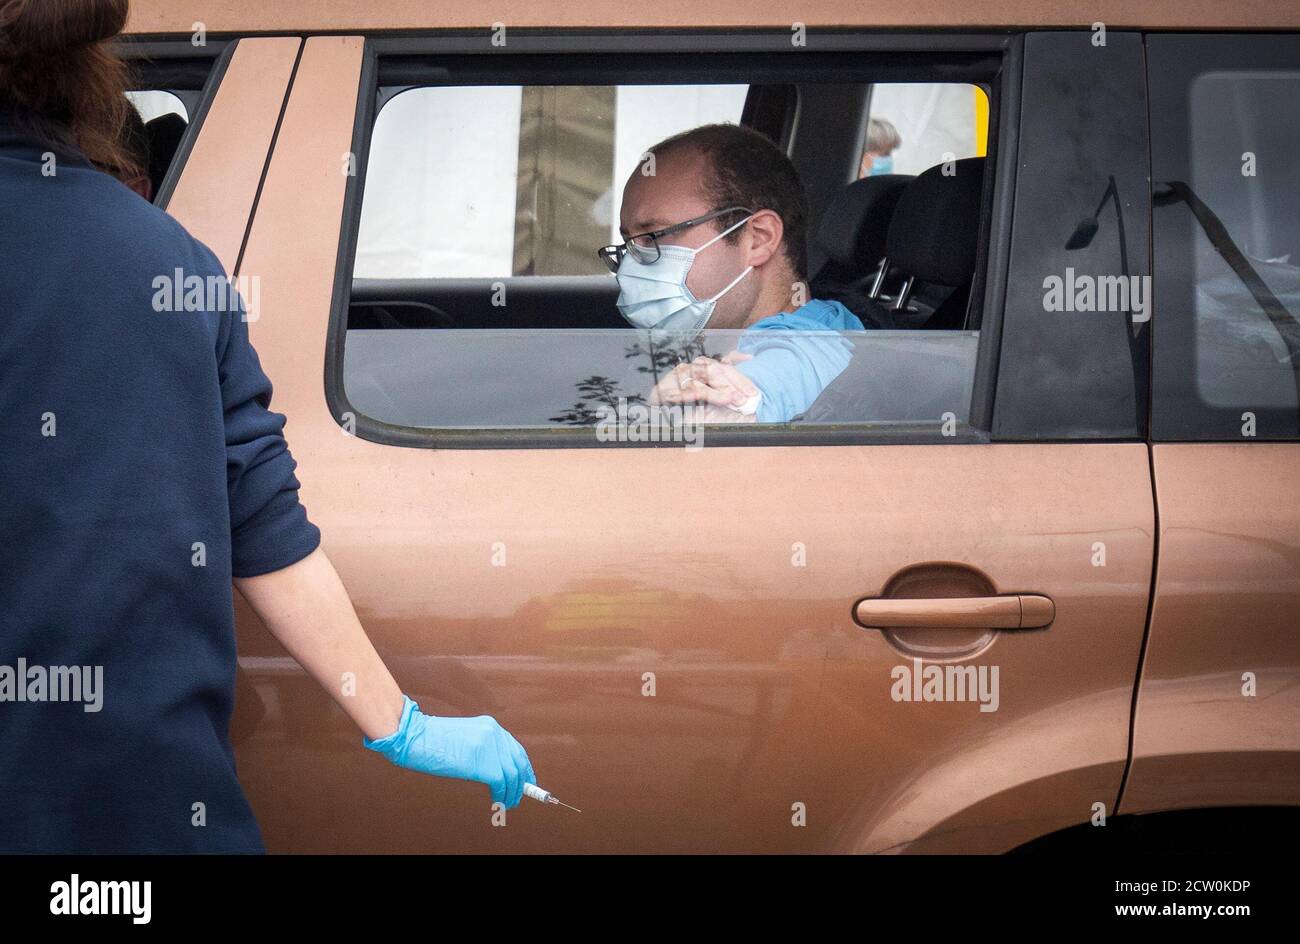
[581, 55]
[146, 56]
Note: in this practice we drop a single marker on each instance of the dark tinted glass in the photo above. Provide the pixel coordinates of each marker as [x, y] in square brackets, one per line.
[1225, 129]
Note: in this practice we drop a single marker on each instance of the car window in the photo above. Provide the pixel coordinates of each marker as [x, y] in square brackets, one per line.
[916, 125]
[155, 103]
[478, 300]
[1226, 188]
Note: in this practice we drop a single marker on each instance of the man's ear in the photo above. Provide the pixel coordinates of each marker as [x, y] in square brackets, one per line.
[766, 231]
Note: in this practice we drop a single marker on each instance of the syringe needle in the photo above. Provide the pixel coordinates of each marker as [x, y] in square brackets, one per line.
[545, 796]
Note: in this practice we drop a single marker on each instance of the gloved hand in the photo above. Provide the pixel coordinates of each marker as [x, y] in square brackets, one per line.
[466, 748]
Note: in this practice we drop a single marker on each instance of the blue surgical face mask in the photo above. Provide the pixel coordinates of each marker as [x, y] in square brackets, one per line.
[653, 295]
[882, 165]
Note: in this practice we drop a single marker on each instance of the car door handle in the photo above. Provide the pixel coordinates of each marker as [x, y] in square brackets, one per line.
[1016, 611]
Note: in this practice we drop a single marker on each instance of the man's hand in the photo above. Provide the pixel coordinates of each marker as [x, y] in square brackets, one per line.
[708, 383]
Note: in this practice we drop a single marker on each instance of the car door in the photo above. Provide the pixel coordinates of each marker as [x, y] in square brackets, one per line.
[1217, 721]
[674, 634]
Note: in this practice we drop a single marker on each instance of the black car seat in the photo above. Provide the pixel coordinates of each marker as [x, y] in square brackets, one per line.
[933, 239]
[846, 252]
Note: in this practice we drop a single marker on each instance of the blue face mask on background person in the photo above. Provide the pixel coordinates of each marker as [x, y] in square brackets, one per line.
[882, 165]
[653, 295]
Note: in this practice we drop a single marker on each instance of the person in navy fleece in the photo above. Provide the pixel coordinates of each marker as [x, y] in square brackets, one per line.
[141, 471]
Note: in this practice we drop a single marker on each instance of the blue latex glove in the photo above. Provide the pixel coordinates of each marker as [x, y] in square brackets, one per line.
[466, 748]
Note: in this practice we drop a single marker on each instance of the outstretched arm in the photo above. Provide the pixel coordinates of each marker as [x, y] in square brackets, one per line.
[307, 608]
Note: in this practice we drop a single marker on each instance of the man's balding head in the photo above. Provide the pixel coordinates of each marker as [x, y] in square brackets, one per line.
[723, 167]
[741, 167]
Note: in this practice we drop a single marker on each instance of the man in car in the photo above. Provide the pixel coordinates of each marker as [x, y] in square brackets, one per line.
[714, 226]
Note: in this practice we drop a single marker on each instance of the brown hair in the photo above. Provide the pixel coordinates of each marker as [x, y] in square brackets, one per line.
[56, 66]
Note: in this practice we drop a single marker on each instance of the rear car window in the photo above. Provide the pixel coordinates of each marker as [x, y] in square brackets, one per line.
[1226, 190]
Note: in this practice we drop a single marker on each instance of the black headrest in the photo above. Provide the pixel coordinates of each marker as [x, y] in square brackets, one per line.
[164, 133]
[853, 227]
[935, 228]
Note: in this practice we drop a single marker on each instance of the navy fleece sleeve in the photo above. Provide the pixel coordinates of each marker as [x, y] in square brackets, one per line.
[269, 528]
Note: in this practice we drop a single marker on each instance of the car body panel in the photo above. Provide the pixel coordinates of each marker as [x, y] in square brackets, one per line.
[168, 16]
[1227, 603]
[218, 185]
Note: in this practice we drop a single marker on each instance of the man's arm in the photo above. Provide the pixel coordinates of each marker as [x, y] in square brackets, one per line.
[792, 368]
[307, 608]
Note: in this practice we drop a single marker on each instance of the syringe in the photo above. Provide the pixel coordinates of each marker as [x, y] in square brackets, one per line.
[544, 796]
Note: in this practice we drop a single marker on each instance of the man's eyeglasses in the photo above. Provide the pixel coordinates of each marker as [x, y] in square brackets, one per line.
[644, 247]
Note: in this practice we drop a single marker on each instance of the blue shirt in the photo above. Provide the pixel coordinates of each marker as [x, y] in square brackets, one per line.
[141, 469]
[796, 356]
